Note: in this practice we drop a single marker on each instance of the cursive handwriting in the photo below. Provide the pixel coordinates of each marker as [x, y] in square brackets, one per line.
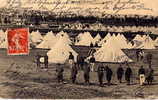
[96, 7]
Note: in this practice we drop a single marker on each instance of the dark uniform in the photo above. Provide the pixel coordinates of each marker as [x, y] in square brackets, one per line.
[120, 73]
[149, 58]
[101, 70]
[74, 72]
[108, 75]
[60, 71]
[128, 75]
[86, 73]
[141, 71]
[149, 76]
[71, 56]
[46, 61]
[80, 62]
[38, 60]
[137, 55]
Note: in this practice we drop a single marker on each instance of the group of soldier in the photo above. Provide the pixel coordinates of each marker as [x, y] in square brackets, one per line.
[103, 72]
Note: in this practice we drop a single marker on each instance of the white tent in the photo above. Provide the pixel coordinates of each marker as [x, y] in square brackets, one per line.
[36, 37]
[138, 40]
[110, 52]
[122, 42]
[104, 39]
[156, 41]
[148, 43]
[86, 39]
[65, 35]
[60, 52]
[2, 36]
[97, 39]
[49, 41]
[3, 40]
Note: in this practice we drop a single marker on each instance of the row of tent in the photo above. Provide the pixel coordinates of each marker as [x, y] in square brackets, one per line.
[110, 50]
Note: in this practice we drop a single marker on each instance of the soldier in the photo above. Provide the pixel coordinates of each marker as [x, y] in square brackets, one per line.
[38, 60]
[149, 75]
[71, 59]
[59, 70]
[108, 75]
[149, 58]
[128, 75]
[74, 72]
[141, 73]
[92, 62]
[120, 73]
[86, 70]
[46, 61]
[101, 70]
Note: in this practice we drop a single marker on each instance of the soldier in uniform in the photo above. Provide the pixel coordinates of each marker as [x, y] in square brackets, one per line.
[108, 75]
[71, 59]
[149, 58]
[46, 61]
[149, 76]
[86, 70]
[128, 74]
[38, 60]
[141, 73]
[74, 72]
[101, 70]
[120, 73]
[59, 70]
[92, 62]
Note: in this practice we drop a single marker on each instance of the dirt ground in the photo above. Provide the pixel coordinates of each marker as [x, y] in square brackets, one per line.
[20, 78]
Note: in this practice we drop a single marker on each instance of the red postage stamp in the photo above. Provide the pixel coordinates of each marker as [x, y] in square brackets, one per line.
[18, 41]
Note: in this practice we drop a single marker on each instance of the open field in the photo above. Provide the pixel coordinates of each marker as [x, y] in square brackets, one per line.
[20, 78]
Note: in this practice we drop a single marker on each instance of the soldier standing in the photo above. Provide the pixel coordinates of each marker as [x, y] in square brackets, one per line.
[120, 73]
[46, 61]
[74, 72]
[60, 70]
[86, 70]
[108, 75]
[149, 75]
[141, 73]
[101, 70]
[38, 60]
[128, 75]
[92, 62]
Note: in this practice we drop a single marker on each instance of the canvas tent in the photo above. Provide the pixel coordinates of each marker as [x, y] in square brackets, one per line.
[110, 52]
[49, 41]
[104, 39]
[36, 37]
[59, 53]
[85, 40]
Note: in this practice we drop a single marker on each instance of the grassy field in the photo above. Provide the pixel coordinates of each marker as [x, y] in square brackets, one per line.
[20, 78]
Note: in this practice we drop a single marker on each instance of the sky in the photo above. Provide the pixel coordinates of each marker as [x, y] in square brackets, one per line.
[82, 6]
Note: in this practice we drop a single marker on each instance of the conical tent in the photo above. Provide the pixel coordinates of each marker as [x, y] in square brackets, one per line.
[156, 42]
[63, 35]
[79, 37]
[60, 52]
[48, 41]
[110, 52]
[122, 42]
[36, 37]
[86, 39]
[97, 39]
[138, 40]
[148, 43]
[4, 42]
[105, 39]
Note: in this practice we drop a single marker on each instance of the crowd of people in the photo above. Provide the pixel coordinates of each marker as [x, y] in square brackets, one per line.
[104, 72]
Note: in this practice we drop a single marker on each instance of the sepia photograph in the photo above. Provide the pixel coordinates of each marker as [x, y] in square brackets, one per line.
[79, 49]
